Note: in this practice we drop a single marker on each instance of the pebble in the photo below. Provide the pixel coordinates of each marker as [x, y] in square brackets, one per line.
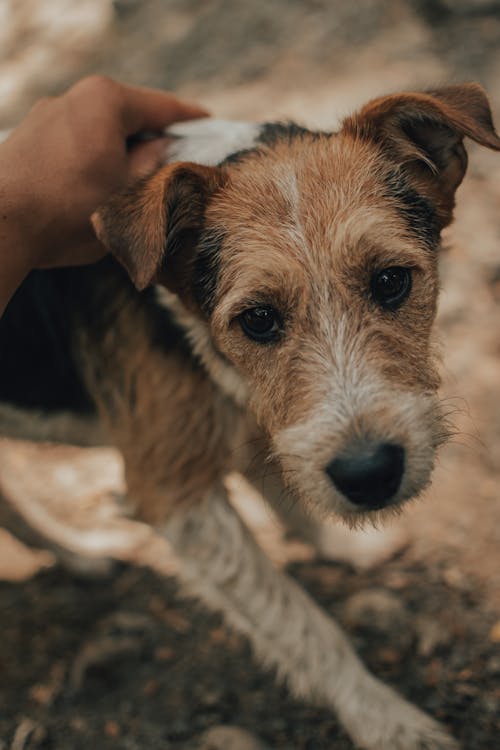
[431, 634]
[495, 633]
[382, 611]
[493, 665]
[229, 738]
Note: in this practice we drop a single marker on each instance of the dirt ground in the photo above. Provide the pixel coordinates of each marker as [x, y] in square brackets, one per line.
[124, 662]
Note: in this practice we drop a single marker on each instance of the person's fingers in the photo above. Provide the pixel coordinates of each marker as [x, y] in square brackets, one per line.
[150, 109]
[132, 108]
[145, 157]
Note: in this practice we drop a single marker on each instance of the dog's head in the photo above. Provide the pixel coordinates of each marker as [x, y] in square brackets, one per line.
[309, 267]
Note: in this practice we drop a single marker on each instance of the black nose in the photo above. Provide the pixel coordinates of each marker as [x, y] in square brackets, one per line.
[369, 474]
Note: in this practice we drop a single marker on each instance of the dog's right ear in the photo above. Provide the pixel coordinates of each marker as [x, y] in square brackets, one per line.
[152, 227]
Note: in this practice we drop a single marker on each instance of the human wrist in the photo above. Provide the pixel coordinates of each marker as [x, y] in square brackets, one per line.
[18, 215]
[17, 249]
[15, 262]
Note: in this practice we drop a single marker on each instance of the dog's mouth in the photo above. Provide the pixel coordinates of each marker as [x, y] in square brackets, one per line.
[367, 481]
[369, 467]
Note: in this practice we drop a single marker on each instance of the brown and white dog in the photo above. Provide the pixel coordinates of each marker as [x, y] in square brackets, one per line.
[284, 331]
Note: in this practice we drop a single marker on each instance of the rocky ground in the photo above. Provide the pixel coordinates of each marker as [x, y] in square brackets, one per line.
[125, 662]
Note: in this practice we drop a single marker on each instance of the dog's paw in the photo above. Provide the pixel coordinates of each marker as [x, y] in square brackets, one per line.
[387, 722]
[421, 734]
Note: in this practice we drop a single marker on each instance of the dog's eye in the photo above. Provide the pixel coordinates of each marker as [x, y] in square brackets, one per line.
[391, 286]
[260, 323]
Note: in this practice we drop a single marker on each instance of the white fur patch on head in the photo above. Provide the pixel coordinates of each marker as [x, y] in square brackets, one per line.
[209, 142]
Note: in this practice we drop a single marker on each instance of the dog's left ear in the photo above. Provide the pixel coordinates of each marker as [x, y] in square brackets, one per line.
[153, 227]
[423, 134]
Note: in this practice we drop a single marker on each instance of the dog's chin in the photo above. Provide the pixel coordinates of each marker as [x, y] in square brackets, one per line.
[360, 518]
[330, 504]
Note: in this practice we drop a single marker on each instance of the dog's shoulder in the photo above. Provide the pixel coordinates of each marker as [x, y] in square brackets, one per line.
[42, 328]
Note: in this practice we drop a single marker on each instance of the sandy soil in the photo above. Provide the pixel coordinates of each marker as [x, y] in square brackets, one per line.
[312, 61]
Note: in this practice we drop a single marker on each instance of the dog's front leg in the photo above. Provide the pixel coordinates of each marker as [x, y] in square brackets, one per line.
[225, 568]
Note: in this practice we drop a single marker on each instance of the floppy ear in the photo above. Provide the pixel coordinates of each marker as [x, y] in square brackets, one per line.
[152, 227]
[423, 134]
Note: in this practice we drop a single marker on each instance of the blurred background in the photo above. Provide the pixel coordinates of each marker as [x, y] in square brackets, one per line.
[125, 663]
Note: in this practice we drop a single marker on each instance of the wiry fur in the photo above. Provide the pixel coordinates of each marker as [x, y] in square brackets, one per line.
[288, 631]
[300, 221]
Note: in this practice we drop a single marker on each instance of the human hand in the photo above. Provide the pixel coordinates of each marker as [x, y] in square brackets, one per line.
[66, 158]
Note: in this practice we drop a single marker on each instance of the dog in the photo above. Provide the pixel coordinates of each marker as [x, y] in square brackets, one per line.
[275, 317]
